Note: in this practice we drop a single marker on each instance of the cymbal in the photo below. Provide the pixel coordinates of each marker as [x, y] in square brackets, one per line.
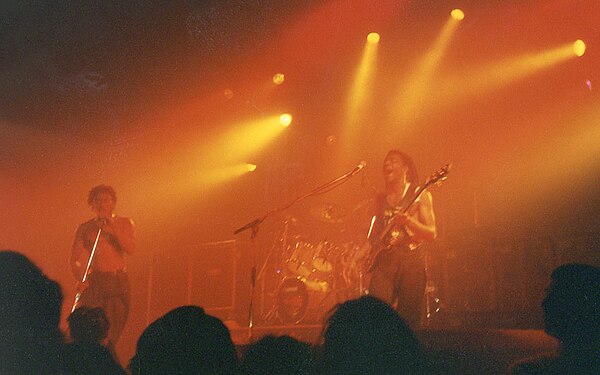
[329, 213]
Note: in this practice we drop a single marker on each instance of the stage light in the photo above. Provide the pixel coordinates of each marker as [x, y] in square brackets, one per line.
[414, 92]
[330, 140]
[373, 38]
[241, 140]
[504, 72]
[278, 78]
[285, 119]
[457, 14]
[579, 47]
[210, 178]
[359, 95]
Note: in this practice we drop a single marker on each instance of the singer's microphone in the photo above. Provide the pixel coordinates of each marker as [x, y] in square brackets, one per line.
[358, 168]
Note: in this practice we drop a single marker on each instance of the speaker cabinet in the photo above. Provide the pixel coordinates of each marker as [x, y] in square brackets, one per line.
[215, 276]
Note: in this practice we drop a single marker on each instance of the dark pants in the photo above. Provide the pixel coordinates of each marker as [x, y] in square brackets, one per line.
[399, 278]
[110, 291]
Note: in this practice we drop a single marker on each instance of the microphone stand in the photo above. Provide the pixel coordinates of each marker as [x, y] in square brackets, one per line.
[87, 269]
[254, 226]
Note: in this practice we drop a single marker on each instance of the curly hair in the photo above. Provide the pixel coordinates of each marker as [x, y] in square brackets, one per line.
[96, 190]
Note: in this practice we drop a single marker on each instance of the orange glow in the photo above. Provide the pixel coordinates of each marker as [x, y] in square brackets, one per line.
[360, 90]
[245, 139]
[555, 161]
[499, 74]
[414, 92]
[362, 81]
[212, 177]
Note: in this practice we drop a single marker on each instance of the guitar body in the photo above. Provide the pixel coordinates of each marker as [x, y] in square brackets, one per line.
[397, 238]
[389, 235]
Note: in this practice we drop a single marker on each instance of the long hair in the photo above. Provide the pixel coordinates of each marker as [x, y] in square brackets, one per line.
[412, 175]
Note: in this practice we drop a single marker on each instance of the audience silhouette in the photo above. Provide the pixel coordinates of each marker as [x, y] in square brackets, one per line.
[88, 325]
[87, 353]
[361, 336]
[30, 307]
[367, 336]
[185, 341]
[572, 315]
[277, 355]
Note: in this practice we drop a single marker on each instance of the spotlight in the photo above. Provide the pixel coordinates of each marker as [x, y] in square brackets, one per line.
[251, 167]
[579, 47]
[373, 38]
[285, 119]
[457, 14]
[228, 93]
[278, 78]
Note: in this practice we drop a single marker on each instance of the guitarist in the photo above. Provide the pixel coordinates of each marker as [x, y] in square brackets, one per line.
[398, 268]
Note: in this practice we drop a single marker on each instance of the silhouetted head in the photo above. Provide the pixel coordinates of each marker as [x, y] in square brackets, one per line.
[277, 355]
[367, 336]
[572, 304]
[29, 298]
[88, 324]
[185, 341]
[30, 307]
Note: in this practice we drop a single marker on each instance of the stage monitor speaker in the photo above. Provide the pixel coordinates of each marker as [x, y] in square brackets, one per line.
[212, 277]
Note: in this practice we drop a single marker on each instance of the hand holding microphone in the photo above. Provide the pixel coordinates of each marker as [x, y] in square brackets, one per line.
[105, 223]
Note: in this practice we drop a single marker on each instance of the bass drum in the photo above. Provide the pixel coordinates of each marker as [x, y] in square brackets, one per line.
[292, 301]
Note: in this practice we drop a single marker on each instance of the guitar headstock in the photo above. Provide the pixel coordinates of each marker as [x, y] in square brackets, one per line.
[439, 176]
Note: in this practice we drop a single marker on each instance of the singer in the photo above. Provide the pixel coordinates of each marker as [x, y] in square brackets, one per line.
[398, 267]
[107, 284]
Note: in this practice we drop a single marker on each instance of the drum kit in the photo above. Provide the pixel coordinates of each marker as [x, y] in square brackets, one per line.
[318, 266]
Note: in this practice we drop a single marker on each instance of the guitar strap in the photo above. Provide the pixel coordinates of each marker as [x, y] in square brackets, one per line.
[381, 206]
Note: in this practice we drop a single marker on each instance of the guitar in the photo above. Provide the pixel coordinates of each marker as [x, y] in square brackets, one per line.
[385, 237]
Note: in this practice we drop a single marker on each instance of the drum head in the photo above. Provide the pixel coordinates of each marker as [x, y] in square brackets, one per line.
[292, 301]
